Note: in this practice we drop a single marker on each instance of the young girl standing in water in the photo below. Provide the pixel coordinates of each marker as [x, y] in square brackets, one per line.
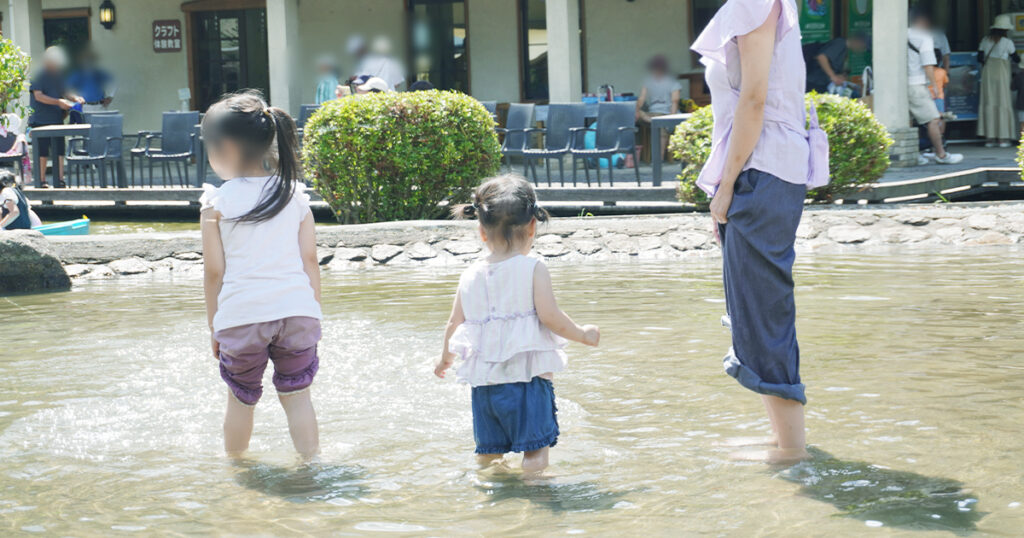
[508, 329]
[262, 273]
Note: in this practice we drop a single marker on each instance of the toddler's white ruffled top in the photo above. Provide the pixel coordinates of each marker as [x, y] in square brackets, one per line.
[502, 340]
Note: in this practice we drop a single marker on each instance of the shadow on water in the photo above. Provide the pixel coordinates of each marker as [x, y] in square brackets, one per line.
[546, 493]
[898, 499]
[338, 484]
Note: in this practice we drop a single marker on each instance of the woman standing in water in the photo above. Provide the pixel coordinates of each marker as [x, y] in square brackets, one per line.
[762, 162]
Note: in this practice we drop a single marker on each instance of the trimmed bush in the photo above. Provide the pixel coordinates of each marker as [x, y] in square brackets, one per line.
[399, 156]
[13, 74]
[858, 148]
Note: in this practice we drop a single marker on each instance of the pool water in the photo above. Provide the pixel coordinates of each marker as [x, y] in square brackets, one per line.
[111, 408]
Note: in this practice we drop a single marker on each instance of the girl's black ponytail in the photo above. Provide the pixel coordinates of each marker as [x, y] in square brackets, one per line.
[288, 168]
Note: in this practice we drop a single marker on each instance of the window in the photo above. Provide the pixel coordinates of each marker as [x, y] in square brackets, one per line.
[230, 53]
[533, 54]
[438, 43]
[68, 28]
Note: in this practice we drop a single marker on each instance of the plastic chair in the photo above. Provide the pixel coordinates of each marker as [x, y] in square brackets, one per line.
[491, 106]
[102, 148]
[615, 133]
[11, 154]
[177, 146]
[518, 130]
[558, 138]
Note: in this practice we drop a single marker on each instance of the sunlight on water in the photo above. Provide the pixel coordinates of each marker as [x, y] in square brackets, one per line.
[111, 405]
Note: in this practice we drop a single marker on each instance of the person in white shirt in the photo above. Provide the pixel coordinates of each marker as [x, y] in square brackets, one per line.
[921, 64]
[262, 272]
[996, 120]
[379, 63]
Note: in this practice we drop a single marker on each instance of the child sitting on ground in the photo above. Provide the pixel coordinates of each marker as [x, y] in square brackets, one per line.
[508, 329]
[262, 273]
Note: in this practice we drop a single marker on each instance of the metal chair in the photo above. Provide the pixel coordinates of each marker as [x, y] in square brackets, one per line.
[557, 132]
[518, 131]
[491, 106]
[177, 146]
[10, 154]
[615, 133]
[305, 111]
[102, 148]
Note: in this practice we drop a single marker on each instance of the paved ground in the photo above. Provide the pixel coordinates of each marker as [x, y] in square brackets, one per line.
[975, 156]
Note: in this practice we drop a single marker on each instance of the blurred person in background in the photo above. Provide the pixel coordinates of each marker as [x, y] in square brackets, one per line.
[378, 62]
[15, 212]
[659, 95]
[373, 85]
[50, 100]
[327, 84]
[996, 120]
[92, 82]
[826, 62]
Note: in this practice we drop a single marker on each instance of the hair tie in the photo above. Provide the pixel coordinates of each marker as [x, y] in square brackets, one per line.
[469, 210]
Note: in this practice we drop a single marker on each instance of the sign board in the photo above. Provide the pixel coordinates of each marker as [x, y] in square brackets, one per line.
[167, 36]
[815, 20]
[859, 22]
[963, 93]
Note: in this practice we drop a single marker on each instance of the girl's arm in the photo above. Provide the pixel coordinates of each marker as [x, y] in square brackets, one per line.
[213, 267]
[454, 320]
[552, 317]
[756, 50]
[307, 249]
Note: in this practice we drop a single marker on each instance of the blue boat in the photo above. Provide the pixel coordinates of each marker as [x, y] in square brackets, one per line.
[68, 227]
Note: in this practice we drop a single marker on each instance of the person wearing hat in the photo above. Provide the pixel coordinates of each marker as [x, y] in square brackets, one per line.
[996, 119]
[15, 213]
[373, 85]
[50, 100]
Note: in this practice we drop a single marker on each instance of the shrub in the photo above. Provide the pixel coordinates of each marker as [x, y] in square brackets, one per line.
[858, 148]
[399, 156]
[13, 74]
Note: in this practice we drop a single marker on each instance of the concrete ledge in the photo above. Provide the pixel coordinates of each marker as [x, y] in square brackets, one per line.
[570, 240]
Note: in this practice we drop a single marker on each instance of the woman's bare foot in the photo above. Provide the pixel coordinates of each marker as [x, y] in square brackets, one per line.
[737, 442]
[774, 456]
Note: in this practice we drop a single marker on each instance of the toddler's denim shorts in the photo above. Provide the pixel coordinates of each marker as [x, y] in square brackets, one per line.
[514, 417]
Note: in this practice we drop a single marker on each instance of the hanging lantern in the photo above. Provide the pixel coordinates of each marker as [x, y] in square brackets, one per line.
[108, 14]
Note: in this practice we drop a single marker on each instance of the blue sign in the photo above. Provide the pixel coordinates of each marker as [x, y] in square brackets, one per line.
[963, 93]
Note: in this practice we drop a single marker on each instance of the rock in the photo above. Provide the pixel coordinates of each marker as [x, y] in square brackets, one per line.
[99, 271]
[648, 243]
[150, 246]
[462, 247]
[383, 253]
[349, 254]
[585, 233]
[848, 234]
[324, 255]
[950, 234]
[29, 264]
[911, 219]
[76, 270]
[866, 219]
[548, 239]
[687, 240]
[188, 256]
[990, 238]
[587, 247]
[129, 266]
[903, 235]
[807, 230]
[421, 251]
[166, 264]
[982, 222]
[551, 249]
[622, 244]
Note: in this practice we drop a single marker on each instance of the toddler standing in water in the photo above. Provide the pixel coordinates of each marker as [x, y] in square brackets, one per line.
[508, 329]
[262, 273]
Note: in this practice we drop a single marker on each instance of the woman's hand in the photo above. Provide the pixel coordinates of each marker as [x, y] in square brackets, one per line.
[215, 345]
[443, 364]
[721, 202]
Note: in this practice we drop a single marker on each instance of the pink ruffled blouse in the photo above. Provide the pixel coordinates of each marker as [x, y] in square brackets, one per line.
[787, 149]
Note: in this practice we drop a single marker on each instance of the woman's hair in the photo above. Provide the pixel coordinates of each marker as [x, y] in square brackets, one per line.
[504, 205]
[7, 179]
[997, 33]
[247, 120]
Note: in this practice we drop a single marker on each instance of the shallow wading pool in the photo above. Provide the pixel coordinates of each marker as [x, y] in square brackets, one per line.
[110, 411]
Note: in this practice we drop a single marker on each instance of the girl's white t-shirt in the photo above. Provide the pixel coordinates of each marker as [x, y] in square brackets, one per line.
[264, 279]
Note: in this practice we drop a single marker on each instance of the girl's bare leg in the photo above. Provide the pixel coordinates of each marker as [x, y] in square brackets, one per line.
[302, 424]
[535, 461]
[237, 426]
[487, 459]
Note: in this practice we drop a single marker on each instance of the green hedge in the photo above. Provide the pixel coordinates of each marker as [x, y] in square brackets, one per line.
[858, 148]
[13, 74]
[398, 156]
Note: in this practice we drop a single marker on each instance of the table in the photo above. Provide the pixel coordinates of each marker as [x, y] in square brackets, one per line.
[668, 121]
[52, 131]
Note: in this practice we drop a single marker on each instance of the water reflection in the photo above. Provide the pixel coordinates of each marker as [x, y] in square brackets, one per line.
[886, 497]
[315, 482]
[549, 493]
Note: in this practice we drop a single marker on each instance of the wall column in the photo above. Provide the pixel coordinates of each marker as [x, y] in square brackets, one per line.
[889, 33]
[565, 84]
[283, 53]
[27, 26]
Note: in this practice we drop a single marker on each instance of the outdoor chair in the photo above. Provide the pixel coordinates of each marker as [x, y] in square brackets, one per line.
[305, 111]
[615, 133]
[12, 150]
[491, 106]
[98, 151]
[177, 146]
[561, 120]
[518, 131]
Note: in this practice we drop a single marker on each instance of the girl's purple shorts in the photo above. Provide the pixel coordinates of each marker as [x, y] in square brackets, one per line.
[289, 342]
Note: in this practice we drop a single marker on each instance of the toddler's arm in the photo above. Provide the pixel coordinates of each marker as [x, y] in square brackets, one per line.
[213, 267]
[307, 249]
[552, 317]
[454, 320]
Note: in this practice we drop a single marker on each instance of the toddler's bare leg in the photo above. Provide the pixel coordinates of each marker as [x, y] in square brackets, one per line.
[302, 424]
[535, 461]
[789, 425]
[486, 459]
[237, 426]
